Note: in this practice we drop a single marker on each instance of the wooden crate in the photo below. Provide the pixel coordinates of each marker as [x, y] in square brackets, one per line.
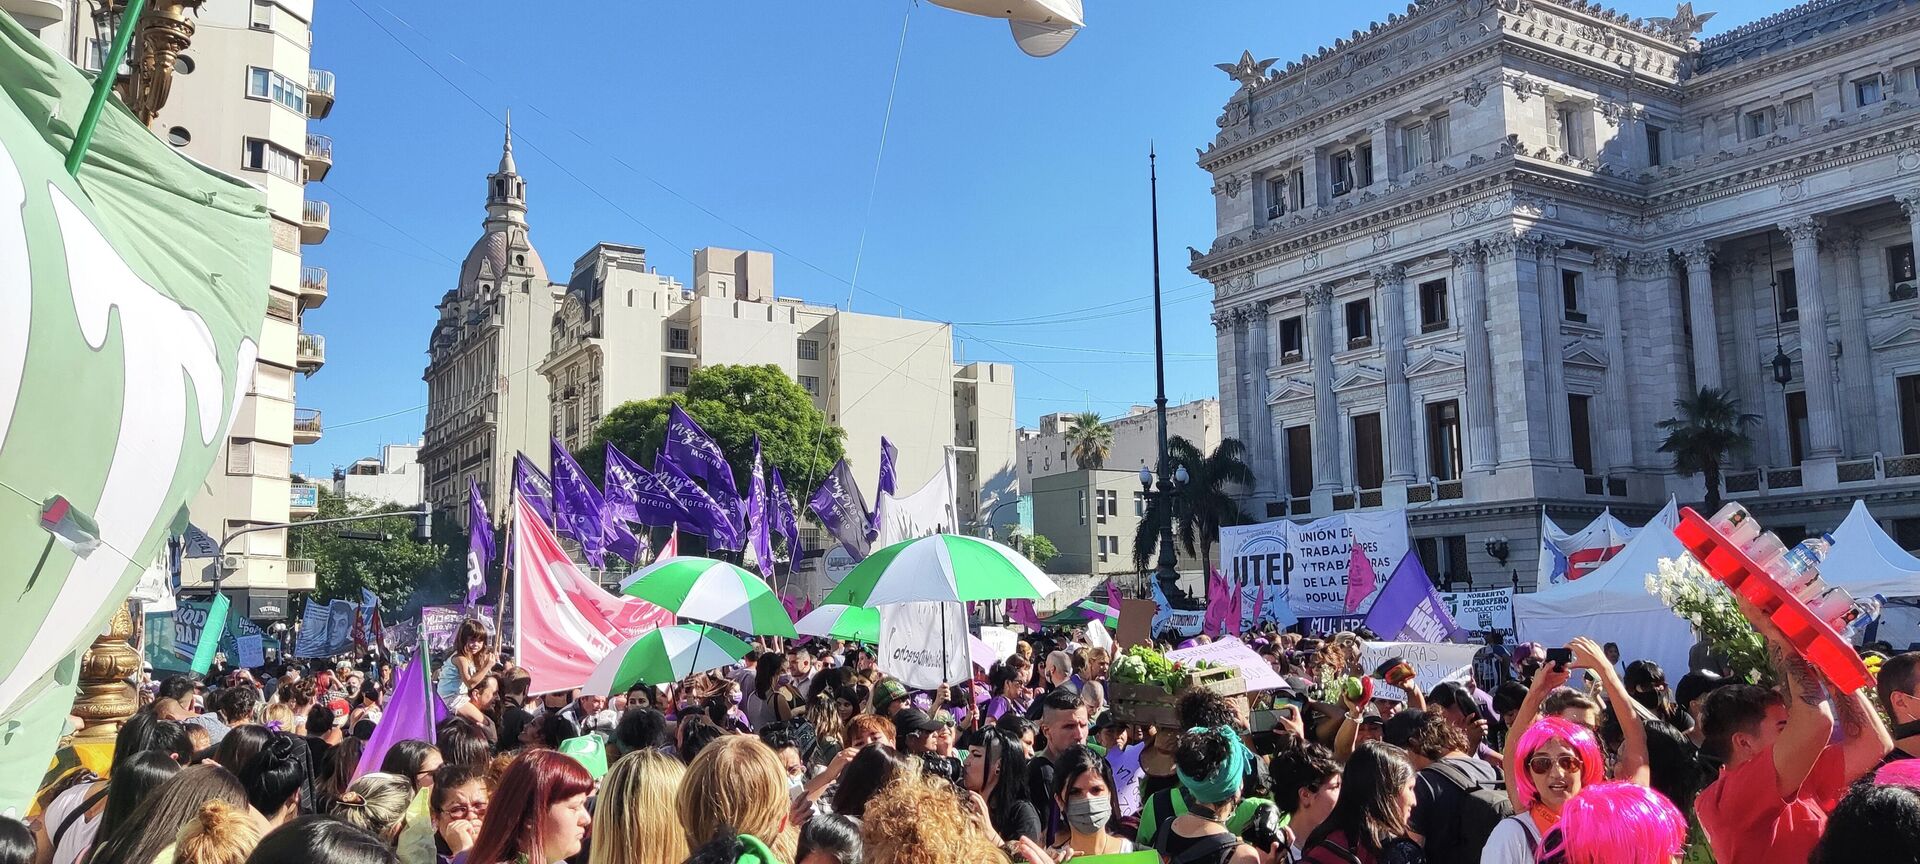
[1151, 704]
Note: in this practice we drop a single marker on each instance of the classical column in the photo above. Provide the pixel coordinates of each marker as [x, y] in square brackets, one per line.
[1856, 357]
[1326, 411]
[1658, 348]
[1392, 281]
[1254, 401]
[1616, 438]
[1513, 331]
[1816, 353]
[1746, 368]
[1470, 285]
[1546, 248]
[1232, 370]
[1910, 202]
[1706, 328]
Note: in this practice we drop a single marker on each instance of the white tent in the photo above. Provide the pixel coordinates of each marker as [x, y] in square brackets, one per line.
[1865, 561]
[1611, 604]
[1559, 547]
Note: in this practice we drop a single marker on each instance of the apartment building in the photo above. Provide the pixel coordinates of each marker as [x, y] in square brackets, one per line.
[1044, 450]
[242, 98]
[395, 477]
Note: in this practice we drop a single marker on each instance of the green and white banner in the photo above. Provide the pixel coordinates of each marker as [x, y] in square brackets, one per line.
[131, 302]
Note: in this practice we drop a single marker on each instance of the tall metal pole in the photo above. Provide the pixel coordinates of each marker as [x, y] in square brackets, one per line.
[1166, 571]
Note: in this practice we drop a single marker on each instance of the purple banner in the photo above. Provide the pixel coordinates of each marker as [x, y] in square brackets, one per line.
[787, 522]
[759, 533]
[439, 623]
[703, 515]
[533, 486]
[843, 510]
[889, 478]
[576, 507]
[480, 549]
[697, 454]
[1408, 609]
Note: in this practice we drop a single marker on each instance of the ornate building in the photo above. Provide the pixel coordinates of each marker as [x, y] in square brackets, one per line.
[1467, 260]
[486, 398]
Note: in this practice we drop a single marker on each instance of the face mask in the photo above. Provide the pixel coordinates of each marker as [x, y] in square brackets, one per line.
[1089, 815]
[795, 786]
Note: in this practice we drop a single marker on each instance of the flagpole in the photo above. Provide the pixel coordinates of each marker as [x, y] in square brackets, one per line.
[500, 606]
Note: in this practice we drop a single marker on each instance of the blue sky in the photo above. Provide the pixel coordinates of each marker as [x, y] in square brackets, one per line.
[1011, 188]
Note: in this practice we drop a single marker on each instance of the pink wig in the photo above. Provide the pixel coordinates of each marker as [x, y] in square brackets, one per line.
[1616, 823]
[1593, 764]
[1905, 772]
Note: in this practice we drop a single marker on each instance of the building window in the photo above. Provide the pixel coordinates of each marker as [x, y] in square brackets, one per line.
[1363, 166]
[1759, 123]
[1342, 173]
[263, 155]
[1868, 90]
[1444, 559]
[676, 376]
[1909, 386]
[1433, 305]
[1277, 197]
[1570, 295]
[1103, 547]
[1800, 111]
[1567, 118]
[1369, 458]
[96, 55]
[1290, 340]
[1797, 426]
[1581, 428]
[1443, 440]
[811, 384]
[1656, 146]
[268, 84]
[1298, 185]
[1900, 272]
[1439, 143]
[263, 14]
[1789, 295]
[1139, 503]
[1413, 145]
[1906, 532]
[677, 339]
[1083, 506]
[809, 349]
[1360, 323]
[1299, 461]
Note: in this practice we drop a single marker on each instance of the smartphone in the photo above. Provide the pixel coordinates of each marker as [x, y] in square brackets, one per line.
[1561, 658]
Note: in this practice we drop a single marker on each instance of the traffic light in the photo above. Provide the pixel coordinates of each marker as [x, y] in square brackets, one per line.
[423, 524]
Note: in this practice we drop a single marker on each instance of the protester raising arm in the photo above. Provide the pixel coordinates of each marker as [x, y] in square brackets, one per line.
[1864, 739]
[1548, 677]
[1809, 721]
[1633, 765]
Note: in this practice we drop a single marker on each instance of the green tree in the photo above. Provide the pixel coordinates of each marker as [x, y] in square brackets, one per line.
[1036, 547]
[397, 569]
[1089, 440]
[732, 403]
[1205, 503]
[1710, 428]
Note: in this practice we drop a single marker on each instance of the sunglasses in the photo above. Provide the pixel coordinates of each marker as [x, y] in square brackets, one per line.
[1544, 764]
[462, 811]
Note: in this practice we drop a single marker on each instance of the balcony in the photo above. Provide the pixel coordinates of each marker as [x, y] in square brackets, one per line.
[319, 94]
[302, 575]
[310, 353]
[316, 219]
[306, 425]
[303, 499]
[319, 156]
[313, 286]
[35, 13]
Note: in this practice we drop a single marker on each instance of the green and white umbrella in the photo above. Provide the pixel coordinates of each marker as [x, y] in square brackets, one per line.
[840, 621]
[942, 567]
[712, 591]
[664, 655]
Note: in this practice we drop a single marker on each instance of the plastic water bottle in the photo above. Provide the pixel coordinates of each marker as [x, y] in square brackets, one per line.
[1834, 606]
[1800, 566]
[1735, 523]
[1767, 551]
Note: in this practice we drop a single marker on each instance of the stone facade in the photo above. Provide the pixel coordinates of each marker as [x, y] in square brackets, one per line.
[1467, 260]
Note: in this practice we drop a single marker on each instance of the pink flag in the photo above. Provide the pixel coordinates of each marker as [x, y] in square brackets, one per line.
[1360, 577]
[1023, 614]
[1219, 606]
[1235, 620]
[672, 546]
[564, 622]
[1113, 596]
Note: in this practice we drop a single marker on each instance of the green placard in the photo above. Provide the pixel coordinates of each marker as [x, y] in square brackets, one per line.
[1143, 856]
[210, 634]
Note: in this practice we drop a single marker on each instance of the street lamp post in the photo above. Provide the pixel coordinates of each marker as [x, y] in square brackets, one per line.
[1166, 570]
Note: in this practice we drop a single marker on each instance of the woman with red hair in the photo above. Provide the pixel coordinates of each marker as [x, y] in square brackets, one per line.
[538, 815]
[1616, 823]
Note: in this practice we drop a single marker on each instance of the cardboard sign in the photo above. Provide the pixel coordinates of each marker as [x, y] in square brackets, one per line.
[1432, 662]
[1136, 622]
[1485, 611]
[1230, 651]
[911, 648]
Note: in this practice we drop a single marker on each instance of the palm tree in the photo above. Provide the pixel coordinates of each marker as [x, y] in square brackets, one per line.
[1710, 428]
[1206, 504]
[1090, 439]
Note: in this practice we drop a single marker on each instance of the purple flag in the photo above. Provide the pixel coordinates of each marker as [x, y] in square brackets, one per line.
[480, 549]
[888, 480]
[786, 521]
[577, 506]
[533, 486]
[637, 495]
[700, 457]
[1023, 614]
[843, 510]
[620, 538]
[759, 533]
[412, 713]
[1408, 609]
[704, 515]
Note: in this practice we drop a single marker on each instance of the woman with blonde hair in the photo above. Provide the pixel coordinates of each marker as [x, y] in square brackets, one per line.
[377, 804]
[221, 834]
[635, 823]
[919, 820]
[737, 783]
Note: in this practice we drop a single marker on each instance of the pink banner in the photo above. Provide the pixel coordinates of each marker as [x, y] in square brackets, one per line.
[1360, 579]
[565, 622]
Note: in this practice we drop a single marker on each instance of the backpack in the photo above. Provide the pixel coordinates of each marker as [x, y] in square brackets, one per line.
[1458, 837]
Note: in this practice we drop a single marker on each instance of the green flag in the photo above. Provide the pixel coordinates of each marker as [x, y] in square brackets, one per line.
[133, 300]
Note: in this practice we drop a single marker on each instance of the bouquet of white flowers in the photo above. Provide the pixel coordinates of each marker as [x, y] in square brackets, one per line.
[1697, 597]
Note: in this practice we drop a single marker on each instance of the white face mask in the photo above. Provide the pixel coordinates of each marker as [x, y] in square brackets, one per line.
[795, 786]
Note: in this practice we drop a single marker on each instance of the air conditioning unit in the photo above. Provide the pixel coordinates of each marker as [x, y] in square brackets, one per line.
[1275, 211]
[1291, 357]
[1904, 290]
[230, 563]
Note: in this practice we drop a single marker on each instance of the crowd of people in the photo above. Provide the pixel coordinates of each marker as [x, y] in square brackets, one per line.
[805, 753]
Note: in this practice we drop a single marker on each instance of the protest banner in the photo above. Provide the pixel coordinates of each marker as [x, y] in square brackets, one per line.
[912, 648]
[1230, 651]
[1288, 570]
[440, 623]
[189, 618]
[1482, 612]
[1432, 662]
[1182, 621]
[313, 630]
[250, 652]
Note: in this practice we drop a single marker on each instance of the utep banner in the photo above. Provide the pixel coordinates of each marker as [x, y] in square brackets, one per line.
[1287, 569]
[1482, 612]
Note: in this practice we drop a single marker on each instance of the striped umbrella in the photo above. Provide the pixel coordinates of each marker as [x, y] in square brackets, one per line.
[1083, 610]
[942, 567]
[840, 621]
[664, 655]
[702, 589]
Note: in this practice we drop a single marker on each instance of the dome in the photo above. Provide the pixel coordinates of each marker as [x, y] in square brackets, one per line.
[488, 259]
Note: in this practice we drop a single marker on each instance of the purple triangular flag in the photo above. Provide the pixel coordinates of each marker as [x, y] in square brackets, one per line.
[412, 713]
